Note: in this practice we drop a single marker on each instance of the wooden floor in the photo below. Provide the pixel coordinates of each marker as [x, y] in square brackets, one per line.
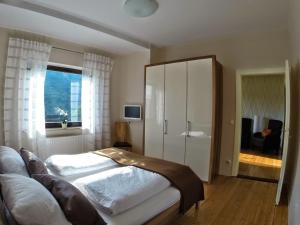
[259, 159]
[253, 164]
[234, 201]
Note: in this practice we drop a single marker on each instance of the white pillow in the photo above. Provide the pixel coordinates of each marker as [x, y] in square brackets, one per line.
[11, 162]
[29, 202]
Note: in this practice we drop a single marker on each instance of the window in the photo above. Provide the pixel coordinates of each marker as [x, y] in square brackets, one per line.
[62, 97]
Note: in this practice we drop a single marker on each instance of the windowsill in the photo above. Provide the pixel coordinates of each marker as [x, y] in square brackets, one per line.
[60, 132]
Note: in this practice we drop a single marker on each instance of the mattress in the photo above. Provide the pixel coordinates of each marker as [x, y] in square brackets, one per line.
[146, 210]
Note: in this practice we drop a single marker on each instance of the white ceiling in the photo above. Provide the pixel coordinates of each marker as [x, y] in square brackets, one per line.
[175, 22]
[20, 19]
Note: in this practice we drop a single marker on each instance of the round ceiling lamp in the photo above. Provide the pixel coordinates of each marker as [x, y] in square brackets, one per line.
[140, 8]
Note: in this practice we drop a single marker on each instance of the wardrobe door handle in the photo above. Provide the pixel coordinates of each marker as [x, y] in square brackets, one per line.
[188, 128]
[166, 127]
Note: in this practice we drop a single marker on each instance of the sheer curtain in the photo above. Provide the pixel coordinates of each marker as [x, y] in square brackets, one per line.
[95, 105]
[24, 113]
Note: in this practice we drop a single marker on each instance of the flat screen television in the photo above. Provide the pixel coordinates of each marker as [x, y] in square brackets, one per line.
[132, 112]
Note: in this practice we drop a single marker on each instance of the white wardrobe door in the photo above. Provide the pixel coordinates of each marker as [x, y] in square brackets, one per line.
[175, 112]
[199, 117]
[154, 111]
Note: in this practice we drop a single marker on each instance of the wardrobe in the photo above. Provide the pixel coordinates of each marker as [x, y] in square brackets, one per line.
[183, 113]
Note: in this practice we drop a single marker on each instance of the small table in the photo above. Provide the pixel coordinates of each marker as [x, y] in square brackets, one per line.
[123, 145]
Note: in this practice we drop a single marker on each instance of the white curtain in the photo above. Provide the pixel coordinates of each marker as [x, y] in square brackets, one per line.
[24, 113]
[95, 104]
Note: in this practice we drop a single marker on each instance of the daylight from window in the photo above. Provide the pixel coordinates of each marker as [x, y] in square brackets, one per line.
[62, 96]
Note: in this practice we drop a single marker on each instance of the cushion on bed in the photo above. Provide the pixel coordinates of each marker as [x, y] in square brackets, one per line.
[11, 162]
[77, 209]
[33, 164]
[29, 202]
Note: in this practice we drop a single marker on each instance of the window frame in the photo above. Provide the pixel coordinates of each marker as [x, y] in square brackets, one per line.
[49, 125]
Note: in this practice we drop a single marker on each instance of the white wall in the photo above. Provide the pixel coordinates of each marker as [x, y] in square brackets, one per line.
[128, 88]
[251, 51]
[294, 155]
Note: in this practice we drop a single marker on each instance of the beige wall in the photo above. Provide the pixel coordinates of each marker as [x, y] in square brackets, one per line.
[263, 96]
[293, 172]
[251, 51]
[126, 82]
[128, 86]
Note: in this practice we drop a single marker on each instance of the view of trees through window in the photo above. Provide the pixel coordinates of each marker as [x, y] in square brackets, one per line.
[62, 92]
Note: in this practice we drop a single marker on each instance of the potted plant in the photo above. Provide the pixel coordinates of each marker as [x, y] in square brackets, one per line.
[63, 116]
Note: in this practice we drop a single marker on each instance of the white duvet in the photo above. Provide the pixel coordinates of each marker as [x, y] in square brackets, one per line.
[117, 190]
[67, 165]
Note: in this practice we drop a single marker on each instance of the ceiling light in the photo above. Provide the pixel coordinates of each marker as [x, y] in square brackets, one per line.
[140, 8]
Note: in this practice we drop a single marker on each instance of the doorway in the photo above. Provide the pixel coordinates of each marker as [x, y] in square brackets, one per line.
[264, 126]
[263, 116]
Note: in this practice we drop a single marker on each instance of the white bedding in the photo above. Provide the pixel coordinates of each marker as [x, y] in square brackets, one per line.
[117, 190]
[146, 210]
[68, 165]
[73, 177]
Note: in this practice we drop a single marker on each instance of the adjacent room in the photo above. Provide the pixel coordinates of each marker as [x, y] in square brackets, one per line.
[149, 112]
[263, 116]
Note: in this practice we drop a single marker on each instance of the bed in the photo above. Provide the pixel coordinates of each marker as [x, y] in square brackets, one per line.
[159, 209]
[84, 171]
